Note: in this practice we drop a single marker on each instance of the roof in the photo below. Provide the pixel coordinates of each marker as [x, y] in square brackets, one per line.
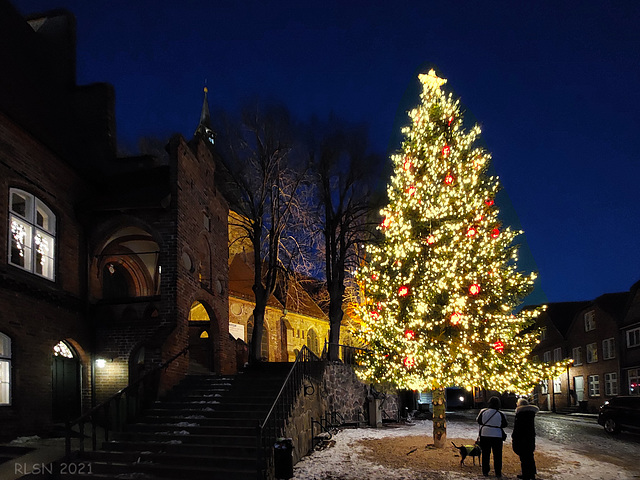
[561, 314]
[241, 282]
[615, 304]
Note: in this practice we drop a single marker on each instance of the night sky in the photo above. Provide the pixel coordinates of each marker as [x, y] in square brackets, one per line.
[554, 85]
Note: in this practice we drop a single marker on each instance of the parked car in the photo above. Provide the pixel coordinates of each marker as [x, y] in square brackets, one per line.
[620, 413]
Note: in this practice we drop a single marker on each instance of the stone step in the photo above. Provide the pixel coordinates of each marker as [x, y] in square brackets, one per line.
[187, 438]
[152, 471]
[203, 420]
[167, 458]
[193, 428]
[234, 451]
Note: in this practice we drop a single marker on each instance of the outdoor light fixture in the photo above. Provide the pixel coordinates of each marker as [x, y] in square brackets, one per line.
[100, 362]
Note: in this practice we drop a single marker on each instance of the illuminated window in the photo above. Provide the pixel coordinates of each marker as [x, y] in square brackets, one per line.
[634, 381]
[62, 350]
[31, 234]
[5, 370]
[590, 321]
[594, 385]
[557, 385]
[544, 386]
[204, 334]
[592, 353]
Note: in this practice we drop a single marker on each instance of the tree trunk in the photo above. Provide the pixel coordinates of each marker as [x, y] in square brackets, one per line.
[335, 320]
[439, 417]
[258, 330]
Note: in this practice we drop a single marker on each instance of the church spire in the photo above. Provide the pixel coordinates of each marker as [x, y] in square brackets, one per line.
[204, 127]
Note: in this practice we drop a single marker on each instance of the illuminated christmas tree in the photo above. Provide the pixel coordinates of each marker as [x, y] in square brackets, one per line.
[442, 288]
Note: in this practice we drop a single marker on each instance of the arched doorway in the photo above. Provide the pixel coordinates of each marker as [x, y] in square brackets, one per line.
[66, 384]
[200, 337]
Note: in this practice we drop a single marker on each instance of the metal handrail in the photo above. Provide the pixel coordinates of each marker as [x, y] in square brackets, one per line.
[272, 426]
[348, 353]
[94, 415]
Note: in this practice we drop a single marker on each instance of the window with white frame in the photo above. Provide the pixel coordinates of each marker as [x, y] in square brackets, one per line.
[633, 337]
[592, 353]
[557, 354]
[634, 381]
[594, 385]
[546, 357]
[611, 384]
[544, 386]
[543, 333]
[557, 385]
[577, 356]
[608, 348]
[5, 370]
[31, 234]
[590, 320]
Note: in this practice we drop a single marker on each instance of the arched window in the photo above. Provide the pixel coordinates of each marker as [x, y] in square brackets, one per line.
[312, 341]
[32, 234]
[5, 370]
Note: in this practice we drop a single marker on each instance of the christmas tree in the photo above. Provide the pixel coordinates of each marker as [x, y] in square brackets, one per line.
[442, 287]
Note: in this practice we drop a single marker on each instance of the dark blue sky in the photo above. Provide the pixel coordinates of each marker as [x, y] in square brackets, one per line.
[555, 86]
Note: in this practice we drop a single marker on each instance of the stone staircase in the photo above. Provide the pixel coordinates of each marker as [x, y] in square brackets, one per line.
[205, 428]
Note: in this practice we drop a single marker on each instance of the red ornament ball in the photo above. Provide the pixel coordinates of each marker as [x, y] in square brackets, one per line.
[489, 202]
[474, 289]
[495, 233]
[446, 150]
[403, 291]
[498, 346]
[409, 335]
[449, 179]
[431, 240]
[409, 362]
[456, 318]
[471, 232]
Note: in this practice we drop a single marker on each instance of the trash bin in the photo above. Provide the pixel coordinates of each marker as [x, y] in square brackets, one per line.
[283, 458]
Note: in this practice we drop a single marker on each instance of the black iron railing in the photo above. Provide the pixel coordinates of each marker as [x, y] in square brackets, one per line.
[307, 364]
[119, 409]
[347, 353]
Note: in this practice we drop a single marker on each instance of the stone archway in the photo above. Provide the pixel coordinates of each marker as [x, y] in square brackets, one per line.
[201, 336]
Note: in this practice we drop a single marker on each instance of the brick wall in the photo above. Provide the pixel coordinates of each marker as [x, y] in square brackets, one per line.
[34, 312]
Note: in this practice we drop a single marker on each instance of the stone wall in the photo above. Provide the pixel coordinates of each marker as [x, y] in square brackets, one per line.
[339, 391]
[347, 395]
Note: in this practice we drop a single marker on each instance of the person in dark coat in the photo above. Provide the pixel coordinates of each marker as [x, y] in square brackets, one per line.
[492, 422]
[524, 438]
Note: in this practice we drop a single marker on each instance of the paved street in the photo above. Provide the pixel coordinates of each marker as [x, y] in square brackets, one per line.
[580, 434]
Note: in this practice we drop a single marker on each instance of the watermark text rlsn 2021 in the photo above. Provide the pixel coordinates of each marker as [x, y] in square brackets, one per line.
[51, 468]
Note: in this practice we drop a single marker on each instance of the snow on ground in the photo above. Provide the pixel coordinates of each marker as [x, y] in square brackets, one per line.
[347, 461]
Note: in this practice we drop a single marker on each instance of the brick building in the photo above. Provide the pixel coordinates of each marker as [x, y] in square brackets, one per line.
[106, 262]
[600, 337]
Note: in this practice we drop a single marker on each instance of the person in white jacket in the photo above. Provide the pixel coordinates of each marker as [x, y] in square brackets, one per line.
[492, 423]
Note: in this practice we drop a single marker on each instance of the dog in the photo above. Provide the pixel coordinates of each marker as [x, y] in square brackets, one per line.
[472, 451]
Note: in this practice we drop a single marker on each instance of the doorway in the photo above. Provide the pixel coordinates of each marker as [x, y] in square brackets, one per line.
[66, 387]
[578, 387]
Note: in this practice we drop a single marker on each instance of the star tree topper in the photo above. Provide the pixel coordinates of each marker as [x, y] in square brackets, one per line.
[430, 81]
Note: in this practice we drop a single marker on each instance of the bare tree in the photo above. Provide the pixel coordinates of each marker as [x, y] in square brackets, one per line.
[264, 174]
[345, 176]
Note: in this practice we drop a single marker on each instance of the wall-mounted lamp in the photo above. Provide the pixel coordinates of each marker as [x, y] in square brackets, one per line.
[101, 362]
